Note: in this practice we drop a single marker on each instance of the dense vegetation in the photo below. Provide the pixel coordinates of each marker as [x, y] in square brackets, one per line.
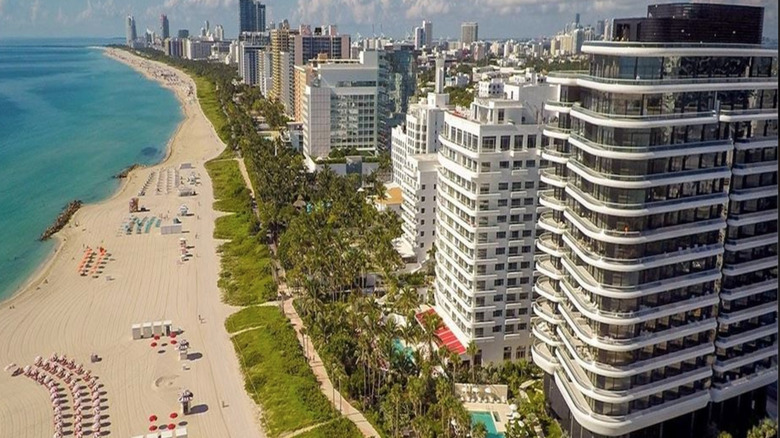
[277, 374]
[246, 276]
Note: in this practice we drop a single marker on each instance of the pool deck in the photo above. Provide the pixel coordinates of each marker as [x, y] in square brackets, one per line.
[501, 408]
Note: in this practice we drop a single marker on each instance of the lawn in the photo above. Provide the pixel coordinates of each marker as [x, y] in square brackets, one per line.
[246, 277]
[245, 318]
[276, 373]
[341, 428]
[212, 109]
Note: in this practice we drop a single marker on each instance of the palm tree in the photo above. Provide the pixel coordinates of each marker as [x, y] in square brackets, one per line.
[479, 430]
[471, 350]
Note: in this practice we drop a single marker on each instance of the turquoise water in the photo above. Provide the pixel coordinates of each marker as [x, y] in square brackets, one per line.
[486, 418]
[401, 348]
[70, 118]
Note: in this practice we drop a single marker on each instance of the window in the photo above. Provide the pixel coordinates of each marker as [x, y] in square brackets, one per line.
[502, 202]
[530, 163]
[496, 329]
[485, 166]
[528, 217]
[422, 198]
[525, 265]
[526, 249]
[501, 219]
[531, 142]
[504, 165]
[524, 280]
[505, 140]
[498, 282]
[422, 233]
[529, 184]
[503, 186]
[501, 235]
[512, 282]
[507, 353]
[512, 267]
[527, 233]
[423, 186]
[526, 201]
[517, 186]
[500, 251]
[517, 164]
[518, 142]
[499, 267]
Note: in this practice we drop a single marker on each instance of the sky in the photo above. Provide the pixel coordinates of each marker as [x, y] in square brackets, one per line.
[391, 18]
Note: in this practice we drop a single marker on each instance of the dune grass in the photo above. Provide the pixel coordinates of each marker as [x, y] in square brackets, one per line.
[246, 276]
[341, 428]
[276, 373]
[209, 103]
[245, 318]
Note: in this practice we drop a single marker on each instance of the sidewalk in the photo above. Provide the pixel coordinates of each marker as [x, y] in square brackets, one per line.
[322, 376]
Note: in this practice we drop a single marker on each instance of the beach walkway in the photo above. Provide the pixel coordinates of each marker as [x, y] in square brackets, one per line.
[313, 358]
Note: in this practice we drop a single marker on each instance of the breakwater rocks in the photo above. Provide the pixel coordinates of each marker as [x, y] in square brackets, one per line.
[124, 173]
[61, 220]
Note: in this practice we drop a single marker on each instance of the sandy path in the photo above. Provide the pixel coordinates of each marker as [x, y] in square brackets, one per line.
[65, 312]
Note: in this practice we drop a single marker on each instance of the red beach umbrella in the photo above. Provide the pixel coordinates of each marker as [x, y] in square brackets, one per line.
[152, 428]
[153, 417]
[156, 337]
[173, 341]
[154, 344]
[171, 426]
[173, 335]
[174, 415]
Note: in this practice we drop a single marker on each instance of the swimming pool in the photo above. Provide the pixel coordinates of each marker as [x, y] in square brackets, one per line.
[486, 418]
[401, 348]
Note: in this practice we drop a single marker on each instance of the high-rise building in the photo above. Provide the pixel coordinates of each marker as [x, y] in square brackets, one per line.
[281, 41]
[340, 108]
[183, 33]
[308, 45]
[165, 27]
[419, 38]
[174, 47]
[251, 16]
[427, 27]
[600, 28]
[130, 32]
[415, 168]
[577, 20]
[469, 33]
[657, 302]
[219, 33]
[577, 39]
[486, 211]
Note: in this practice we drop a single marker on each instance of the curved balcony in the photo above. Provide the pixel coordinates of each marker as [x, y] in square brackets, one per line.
[589, 310]
[640, 152]
[586, 387]
[554, 131]
[644, 208]
[743, 359]
[547, 198]
[647, 181]
[625, 424]
[747, 115]
[753, 168]
[549, 176]
[745, 337]
[753, 193]
[548, 223]
[545, 243]
[739, 220]
[750, 242]
[745, 314]
[543, 358]
[586, 334]
[628, 237]
[550, 154]
[724, 391]
[587, 282]
[751, 266]
[584, 359]
[594, 259]
[542, 333]
[748, 290]
[558, 106]
[544, 310]
[642, 121]
[544, 288]
[545, 267]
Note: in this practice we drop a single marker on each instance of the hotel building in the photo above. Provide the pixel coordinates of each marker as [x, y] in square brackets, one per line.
[657, 306]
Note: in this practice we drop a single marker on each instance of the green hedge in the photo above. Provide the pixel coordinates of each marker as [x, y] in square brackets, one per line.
[277, 375]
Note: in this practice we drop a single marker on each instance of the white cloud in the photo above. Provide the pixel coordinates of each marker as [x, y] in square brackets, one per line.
[35, 10]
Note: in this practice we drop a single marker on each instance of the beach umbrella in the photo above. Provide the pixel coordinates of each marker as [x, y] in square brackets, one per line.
[153, 417]
[171, 426]
[152, 428]
[173, 415]
[173, 341]
[154, 344]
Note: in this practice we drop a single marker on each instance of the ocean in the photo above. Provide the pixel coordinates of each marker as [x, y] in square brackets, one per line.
[70, 119]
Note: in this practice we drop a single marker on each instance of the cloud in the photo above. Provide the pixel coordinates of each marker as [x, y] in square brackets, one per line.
[35, 9]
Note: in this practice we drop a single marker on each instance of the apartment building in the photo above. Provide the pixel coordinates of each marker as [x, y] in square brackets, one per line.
[657, 306]
[486, 213]
[340, 107]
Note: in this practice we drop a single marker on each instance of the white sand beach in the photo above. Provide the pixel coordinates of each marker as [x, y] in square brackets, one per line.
[143, 280]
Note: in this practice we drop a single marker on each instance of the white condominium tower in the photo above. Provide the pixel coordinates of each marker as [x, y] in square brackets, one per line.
[485, 222]
[415, 164]
[340, 107]
[657, 308]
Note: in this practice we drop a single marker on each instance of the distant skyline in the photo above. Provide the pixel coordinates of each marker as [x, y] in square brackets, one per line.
[393, 18]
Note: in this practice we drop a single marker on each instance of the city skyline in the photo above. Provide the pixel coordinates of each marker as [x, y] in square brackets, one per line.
[391, 18]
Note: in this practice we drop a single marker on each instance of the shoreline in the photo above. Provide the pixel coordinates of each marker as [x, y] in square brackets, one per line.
[39, 274]
[145, 277]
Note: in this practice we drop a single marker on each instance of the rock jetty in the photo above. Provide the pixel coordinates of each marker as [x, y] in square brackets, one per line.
[61, 220]
[126, 171]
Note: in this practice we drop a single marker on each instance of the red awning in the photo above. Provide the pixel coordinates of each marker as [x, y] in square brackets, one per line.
[444, 336]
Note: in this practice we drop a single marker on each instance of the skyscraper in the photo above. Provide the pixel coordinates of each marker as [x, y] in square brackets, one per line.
[657, 308]
[183, 33]
[419, 37]
[219, 32]
[251, 14]
[165, 28]
[469, 32]
[130, 32]
[428, 33]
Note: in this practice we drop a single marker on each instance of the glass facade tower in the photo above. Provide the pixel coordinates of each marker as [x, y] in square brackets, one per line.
[656, 309]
